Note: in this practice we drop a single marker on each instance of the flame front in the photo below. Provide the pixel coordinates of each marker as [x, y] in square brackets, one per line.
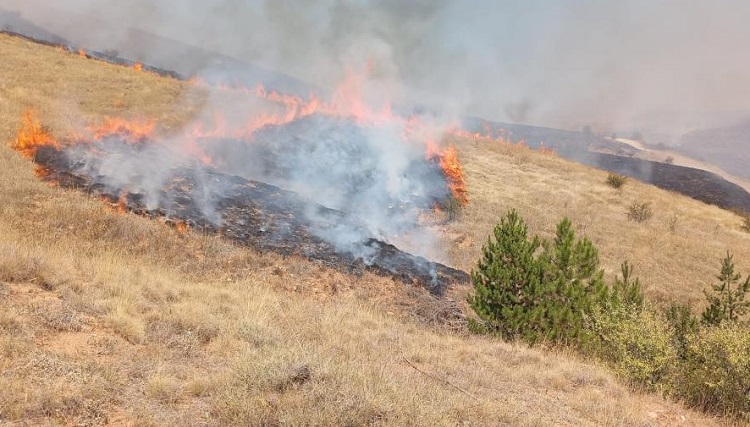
[32, 136]
[455, 174]
[130, 130]
[347, 102]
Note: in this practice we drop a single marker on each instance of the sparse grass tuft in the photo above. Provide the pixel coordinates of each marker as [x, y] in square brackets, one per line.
[745, 223]
[199, 387]
[640, 211]
[673, 222]
[61, 318]
[163, 389]
[129, 327]
[616, 181]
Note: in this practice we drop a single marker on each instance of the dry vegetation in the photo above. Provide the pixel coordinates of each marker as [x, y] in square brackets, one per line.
[676, 253]
[114, 319]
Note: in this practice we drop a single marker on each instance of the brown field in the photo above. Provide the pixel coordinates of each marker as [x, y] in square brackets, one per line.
[119, 320]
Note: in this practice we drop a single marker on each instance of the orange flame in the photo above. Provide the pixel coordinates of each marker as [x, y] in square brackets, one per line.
[181, 226]
[121, 206]
[31, 136]
[118, 205]
[348, 101]
[453, 170]
[133, 131]
[548, 151]
[82, 53]
[138, 66]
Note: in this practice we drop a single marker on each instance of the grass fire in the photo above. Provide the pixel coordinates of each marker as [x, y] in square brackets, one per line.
[347, 213]
[330, 154]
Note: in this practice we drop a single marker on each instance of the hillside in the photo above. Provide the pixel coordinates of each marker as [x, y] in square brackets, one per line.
[115, 319]
[701, 181]
[725, 147]
[676, 253]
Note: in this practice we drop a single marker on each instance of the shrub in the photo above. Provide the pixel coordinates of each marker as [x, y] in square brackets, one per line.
[672, 223]
[616, 181]
[745, 223]
[640, 211]
[112, 53]
[631, 337]
[537, 295]
[716, 373]
[636, 342]
[726, 304]
[682, 323]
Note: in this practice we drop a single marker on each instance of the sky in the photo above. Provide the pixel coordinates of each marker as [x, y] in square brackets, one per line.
[673, 65]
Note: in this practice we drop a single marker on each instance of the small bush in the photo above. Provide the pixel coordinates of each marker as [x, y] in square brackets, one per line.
[616, 181]
[640, 211]
[112, 53]
[672, 223]
[636, 343]
[716, 373]
[745, 223]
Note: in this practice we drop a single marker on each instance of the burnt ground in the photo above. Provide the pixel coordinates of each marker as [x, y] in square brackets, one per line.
[727, 147]
[260, 216]
[587, 148]
[701, 185]
[576, 146]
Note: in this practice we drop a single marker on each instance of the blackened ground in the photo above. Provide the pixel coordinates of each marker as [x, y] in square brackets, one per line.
[339, 163]
[263, 217]
[586, 148]
[696, 183]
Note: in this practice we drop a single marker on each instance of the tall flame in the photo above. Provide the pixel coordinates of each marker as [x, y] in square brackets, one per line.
[348, 101]
[455, 174]
[31, 136]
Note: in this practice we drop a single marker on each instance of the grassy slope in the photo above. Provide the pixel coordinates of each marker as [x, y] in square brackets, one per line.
[674, 262]
[111, 318]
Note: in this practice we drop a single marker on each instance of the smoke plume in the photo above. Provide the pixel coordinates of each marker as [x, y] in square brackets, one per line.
[667, 66]
[611, 64]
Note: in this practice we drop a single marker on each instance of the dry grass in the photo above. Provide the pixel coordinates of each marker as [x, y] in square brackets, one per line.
[115, 319]
[676, 253]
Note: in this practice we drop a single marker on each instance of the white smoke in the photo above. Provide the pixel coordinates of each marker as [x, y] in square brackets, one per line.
[610, 64]
[568, 63]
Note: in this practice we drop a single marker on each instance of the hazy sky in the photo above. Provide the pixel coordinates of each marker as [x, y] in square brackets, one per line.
[614, 64]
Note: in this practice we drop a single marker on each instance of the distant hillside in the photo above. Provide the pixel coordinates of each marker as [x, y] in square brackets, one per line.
[618, 157]
[14, 22]
[727, 147]
[159, 52]
[567, 144]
